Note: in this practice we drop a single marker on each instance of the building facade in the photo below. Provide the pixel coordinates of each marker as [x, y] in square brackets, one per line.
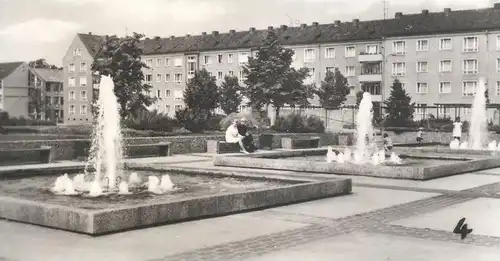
[14, 89]
[438, 56]
[50, 84]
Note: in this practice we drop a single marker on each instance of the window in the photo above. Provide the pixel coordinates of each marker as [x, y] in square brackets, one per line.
[242, 76]
[470, 66]
[399, 47]
[498, 42]
[178, 78]
[330, 52]
[230, 58]
[469, 88]
[350, 51]
[55, 100]
[158, 94]
[422, 67]
[311, 78]
[497, 89]
[372, 49]
[167, 108]
[498, 64]
[207, 59]
[178, 95]
[72, 96]
[83, 81]
[445, 44]
[167, 77]
[178, 62]
[444, 111]
[167, 62]
[309, 55]
[158, 62]
[220, 76]
[191, 63]
[83, 109]
[167, 93]
[350, 71]
[83, 67]
[77, 52]
[158, 77]
[421, 87]
[71, 109]
[420, 110]
[470, 44]
[330, 69]
[71, 81]
[71, 67]
[445, 66]
[83, 95]
[219, 58]
[178, 107]
[149, 62]
[231, 73]
[398, 69]
[149, 77]
[445, 87]
[422, 45]
[243, 58]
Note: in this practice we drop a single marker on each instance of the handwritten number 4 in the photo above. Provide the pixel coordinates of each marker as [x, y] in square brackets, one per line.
[462, 229]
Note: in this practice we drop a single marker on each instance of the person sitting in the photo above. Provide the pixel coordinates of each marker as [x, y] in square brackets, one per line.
[246, 138]
[387, 143]
[232, 133]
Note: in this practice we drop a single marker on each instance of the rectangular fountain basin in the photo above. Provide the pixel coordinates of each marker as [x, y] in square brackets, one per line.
[443, 149]
[29, 199]
[415, 167]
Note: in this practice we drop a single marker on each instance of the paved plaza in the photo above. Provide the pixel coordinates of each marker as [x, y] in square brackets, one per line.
[383, 219]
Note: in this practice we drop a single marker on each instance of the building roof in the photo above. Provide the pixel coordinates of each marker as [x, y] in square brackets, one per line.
[49, 75]
[93, 43]
[7, 68]
[424, 23]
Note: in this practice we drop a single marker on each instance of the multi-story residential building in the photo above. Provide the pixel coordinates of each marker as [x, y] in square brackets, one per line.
[14, 89]
[438, 56]
[50, 84]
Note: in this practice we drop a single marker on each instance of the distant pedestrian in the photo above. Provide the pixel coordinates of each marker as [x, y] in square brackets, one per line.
[457, 129]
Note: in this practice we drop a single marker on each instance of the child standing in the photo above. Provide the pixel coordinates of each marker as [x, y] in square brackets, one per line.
[387, 143]
[457, 129]
[419, 135]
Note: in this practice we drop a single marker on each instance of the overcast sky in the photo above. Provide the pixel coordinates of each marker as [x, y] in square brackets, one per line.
[31, 29]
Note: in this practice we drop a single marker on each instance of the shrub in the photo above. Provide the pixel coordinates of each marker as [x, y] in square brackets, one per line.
[194, 122]
[258, 121]
[298, 123]
[213, 124]
[494, 128]
[150, 120]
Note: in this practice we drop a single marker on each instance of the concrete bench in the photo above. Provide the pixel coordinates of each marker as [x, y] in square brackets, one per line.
[220, 147]
[300, 143]
[161, 149]
[266, 141]
[25, 156]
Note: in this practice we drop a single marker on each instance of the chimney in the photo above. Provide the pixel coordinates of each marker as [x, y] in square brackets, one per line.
[447, 10]
[315, 23]
[337, 22]
[283, 27]
[252, 29]
[172, 37]
[496, 6]
[398, 15]
[425, 12]
[188, 35]
[355, 22]
[269, 28]
[215, 33]
[90, 33]
[204, 33]
[232, 31]
[303, 25]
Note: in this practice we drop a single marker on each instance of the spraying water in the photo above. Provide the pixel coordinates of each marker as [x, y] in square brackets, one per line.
[478, 123]
[364, 128]
[106, 150]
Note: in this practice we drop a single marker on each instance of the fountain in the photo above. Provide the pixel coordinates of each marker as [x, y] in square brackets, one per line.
[478, 122]
[106, 156]
[364, 129]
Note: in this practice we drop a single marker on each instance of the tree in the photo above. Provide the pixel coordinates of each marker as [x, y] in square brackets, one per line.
[230, 95]
[359, 97]
[269, 76]
[120, 58]
[399, 108]
[42, 63]
[200, 98]
[333, 90]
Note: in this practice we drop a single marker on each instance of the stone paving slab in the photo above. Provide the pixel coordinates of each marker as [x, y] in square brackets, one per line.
[139, 245]
[360, 201]
[360, 246]
[482, 215]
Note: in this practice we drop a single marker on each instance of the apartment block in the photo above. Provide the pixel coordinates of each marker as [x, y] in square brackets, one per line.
[438, 56]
